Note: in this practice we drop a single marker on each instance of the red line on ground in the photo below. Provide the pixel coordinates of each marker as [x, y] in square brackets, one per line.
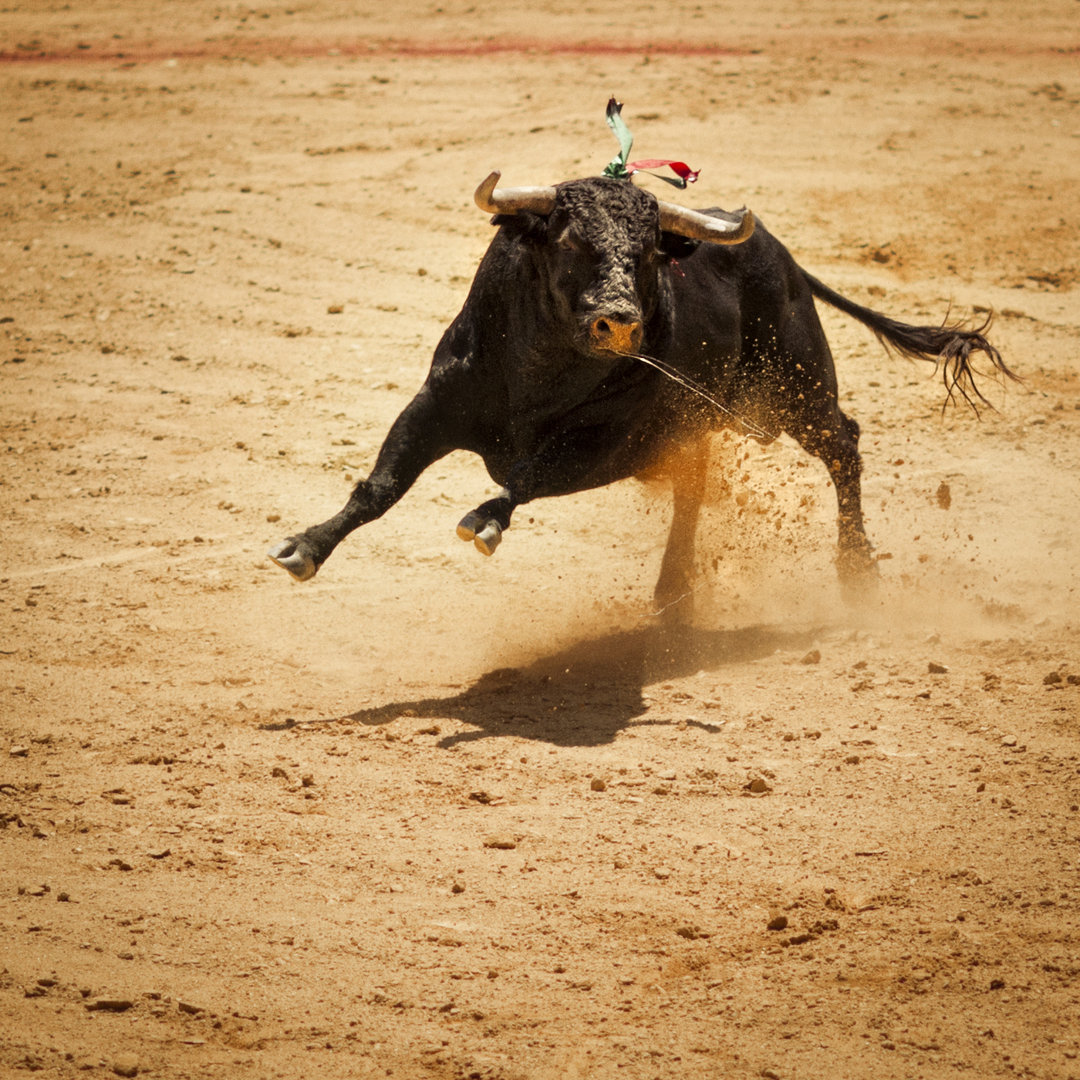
[271, 49]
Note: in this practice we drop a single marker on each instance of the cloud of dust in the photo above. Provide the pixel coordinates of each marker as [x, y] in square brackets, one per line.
[952, 560]
[575, 577]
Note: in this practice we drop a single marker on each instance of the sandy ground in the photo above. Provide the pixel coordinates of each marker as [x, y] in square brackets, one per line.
[432, 815]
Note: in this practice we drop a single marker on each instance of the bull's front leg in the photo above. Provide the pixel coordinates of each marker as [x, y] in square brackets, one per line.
[674, 592]
[417, 438]
[577, 459]
[552, 470]
[484, 525]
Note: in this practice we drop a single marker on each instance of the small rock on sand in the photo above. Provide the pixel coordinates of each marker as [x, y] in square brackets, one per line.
[126, 1065]
[109, 1005]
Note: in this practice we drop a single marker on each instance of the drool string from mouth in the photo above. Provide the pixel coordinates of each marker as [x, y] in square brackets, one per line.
[685, 381]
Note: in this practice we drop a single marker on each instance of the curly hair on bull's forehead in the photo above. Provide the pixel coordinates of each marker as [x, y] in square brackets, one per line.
[597, 201]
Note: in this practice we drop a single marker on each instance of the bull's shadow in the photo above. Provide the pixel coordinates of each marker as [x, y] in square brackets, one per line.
[585, 694]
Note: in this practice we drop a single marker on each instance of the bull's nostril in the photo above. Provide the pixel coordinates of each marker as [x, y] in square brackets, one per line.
[615, 335]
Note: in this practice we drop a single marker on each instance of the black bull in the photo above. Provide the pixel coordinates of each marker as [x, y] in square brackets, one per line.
[605, 334]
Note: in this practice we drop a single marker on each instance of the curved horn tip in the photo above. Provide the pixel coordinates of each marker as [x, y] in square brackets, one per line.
[735, 233]
[513, 200]
[747, 225]
[484, 193]
[697, 225]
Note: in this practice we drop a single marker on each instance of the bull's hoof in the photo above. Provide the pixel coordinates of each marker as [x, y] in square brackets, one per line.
[672, 610]
[859, 576]
[289, 557]
[484, 532]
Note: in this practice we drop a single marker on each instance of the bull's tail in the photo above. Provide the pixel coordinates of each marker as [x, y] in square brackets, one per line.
[948, 346]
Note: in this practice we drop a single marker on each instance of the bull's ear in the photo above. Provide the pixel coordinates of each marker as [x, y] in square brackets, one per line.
[523, 224]
[675, 246]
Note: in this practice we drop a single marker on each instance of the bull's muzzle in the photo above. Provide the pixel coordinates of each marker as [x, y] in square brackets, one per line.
[609, 334]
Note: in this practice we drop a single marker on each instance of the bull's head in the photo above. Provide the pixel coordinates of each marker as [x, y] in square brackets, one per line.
[603, 243]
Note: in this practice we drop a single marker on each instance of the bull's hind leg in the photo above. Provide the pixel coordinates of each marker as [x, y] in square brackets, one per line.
[836, 442]
[808, 410]
[674, 592]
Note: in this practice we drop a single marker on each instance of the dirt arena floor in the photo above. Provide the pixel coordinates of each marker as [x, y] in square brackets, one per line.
[432, 815]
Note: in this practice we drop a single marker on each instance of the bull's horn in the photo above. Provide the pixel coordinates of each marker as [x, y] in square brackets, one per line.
[712, 230]
[493, 200]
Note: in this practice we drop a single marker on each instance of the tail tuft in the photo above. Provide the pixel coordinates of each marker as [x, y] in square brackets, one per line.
[949, 346]
[954, 358]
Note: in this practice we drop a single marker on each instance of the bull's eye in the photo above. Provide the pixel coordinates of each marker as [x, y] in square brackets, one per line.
[566, 242]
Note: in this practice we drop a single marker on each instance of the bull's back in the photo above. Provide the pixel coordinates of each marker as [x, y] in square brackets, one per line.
[734, 297]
